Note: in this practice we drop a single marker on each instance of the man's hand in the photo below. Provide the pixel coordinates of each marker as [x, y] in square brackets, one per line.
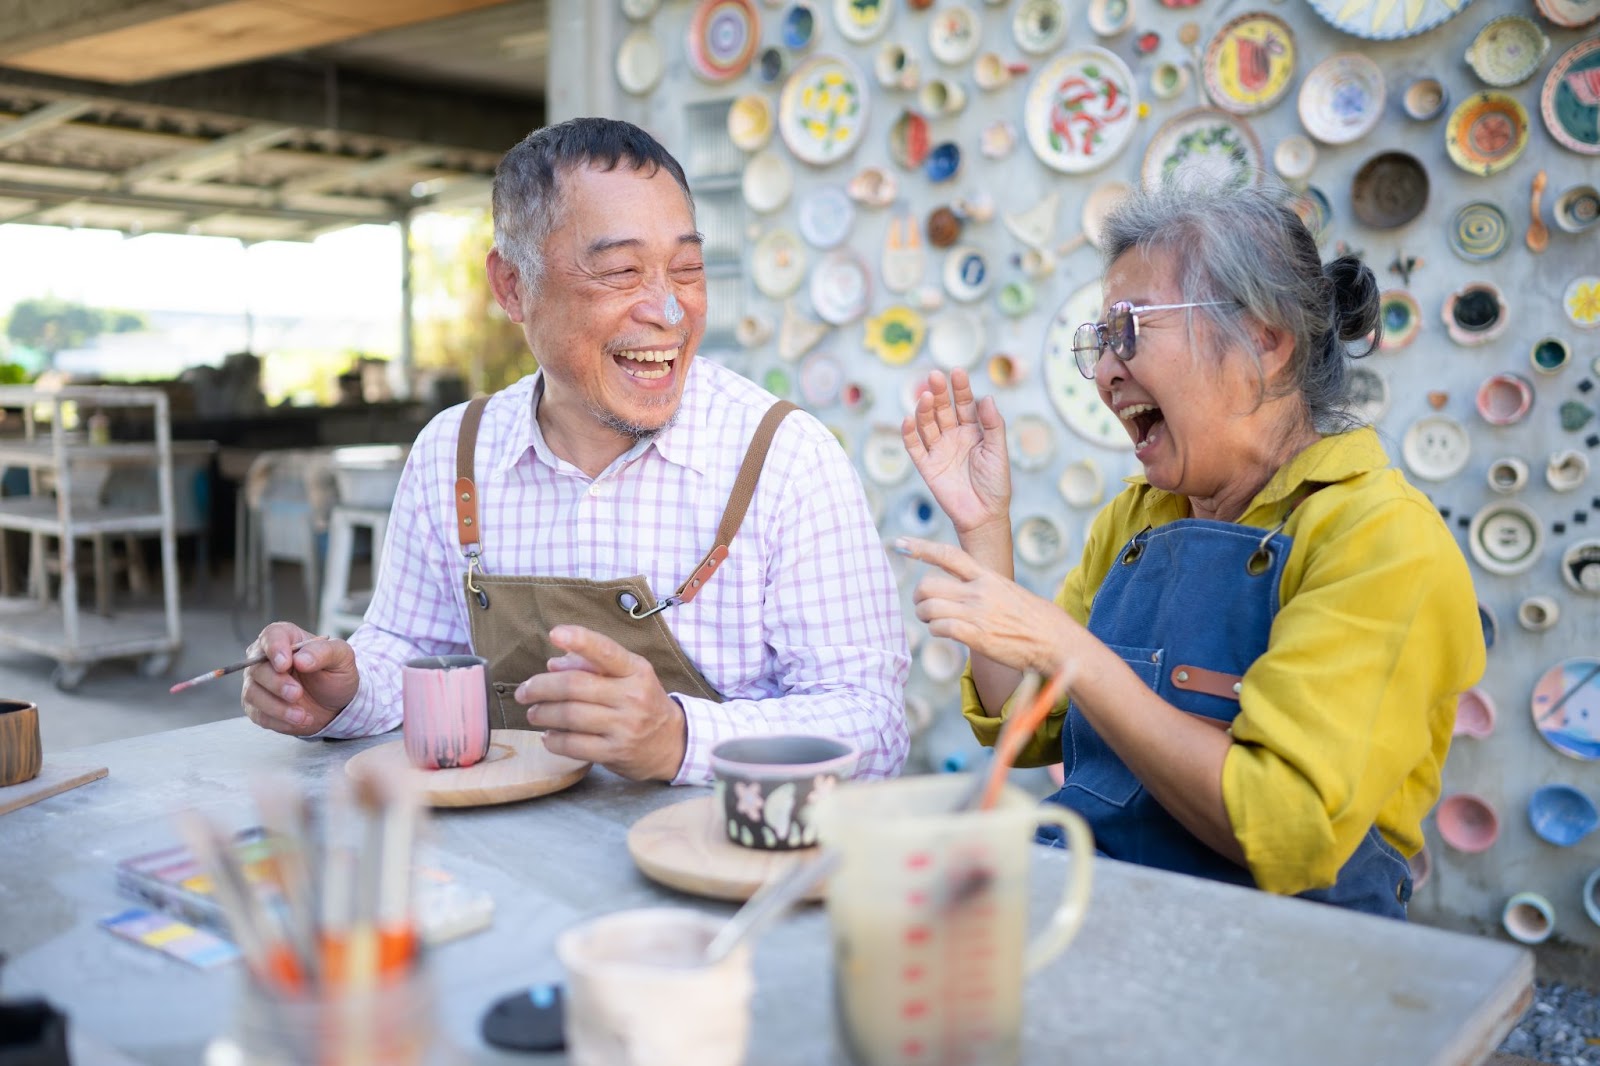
[298, 692]
[602, 703]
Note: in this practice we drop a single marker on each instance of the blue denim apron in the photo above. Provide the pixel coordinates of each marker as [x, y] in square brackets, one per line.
[1189, 607]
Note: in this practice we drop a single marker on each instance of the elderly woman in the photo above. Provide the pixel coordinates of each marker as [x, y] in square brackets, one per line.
[1265, 638]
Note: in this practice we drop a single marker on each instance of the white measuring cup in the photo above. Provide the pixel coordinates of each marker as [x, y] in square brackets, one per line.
[929, 914]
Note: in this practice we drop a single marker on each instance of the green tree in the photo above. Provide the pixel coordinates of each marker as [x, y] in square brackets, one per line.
[50, 325]
[456, 323]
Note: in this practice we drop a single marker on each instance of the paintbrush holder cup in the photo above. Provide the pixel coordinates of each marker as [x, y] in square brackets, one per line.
[388, 1024]
[20, 753]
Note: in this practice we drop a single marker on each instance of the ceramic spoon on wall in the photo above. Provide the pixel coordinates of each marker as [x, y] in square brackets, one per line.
[1538, 235]
[1189, 37]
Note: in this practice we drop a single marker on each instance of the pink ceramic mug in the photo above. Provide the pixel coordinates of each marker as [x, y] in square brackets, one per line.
[446, 720]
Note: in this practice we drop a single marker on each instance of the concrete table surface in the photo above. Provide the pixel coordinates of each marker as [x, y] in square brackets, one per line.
[1167, 969]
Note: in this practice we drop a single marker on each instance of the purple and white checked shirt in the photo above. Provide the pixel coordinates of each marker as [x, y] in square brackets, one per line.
[800, 628]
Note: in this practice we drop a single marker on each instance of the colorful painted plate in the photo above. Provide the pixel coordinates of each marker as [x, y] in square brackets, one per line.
[1039, 26]
[1566, 707]
[966, 273]
[823, 110]
[1486, 133]
[1249, 64]
[1081, 110]
[1507, 50]
[723, 35]
[778, 264]
[1581, 302]
[1315, 211]
[1386, 20]
[1211, 148]
[1401, 318]
[860, 21]
[896, 335]
[954, 34]
[1570, 101]
[640, 62]
[841, 287]
[1569, 13]
[1075, 397]
[1479, 231]
[1341, 99]
[750, 122]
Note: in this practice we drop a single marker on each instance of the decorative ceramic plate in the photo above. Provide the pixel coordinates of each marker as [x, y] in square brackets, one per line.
[884, 456]
[1389, 190]
[1401, 318]
[1367, 395]
[1082, 484]
[1476, 313]
[825, 216]
[860, 21]
[823, 110]
[1479, 231]
[768, 181]
[778, 264]
[1581, 302]
[896, 335]
[966, 273]
[1580, 567]
[1387, 20]
[954, 34]
[1507, 50]
[1039, 26]
[1250, 63]
[1208, 147]
[1107, 18]
[1040, 541]
[1486, 133]
[639, 62]
[1294, 158]
[821, 380]
[1341, 99]
[1081, 110]
[723, 35]
[1075, 397]
[1570, 101]
[750, 122]
[1566, 708]
[1030, 442]
[840, 287]
[1314, 210]
[903, 258]
[1569, 14]
[956, 338]
[1504, 399]
[1436, 447]
[639, 10]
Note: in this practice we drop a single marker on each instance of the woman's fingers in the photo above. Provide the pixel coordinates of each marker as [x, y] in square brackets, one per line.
[966, 407]
[947, 557]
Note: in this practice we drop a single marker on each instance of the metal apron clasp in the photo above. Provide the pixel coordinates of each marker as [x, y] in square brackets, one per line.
[473, 565]
[624, 598]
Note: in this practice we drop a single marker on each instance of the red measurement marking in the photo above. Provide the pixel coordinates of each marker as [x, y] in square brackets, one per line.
[913, 973]
[914, 1010]
[916, 899]
[918, 934]
[912, 1049]
[918, 860]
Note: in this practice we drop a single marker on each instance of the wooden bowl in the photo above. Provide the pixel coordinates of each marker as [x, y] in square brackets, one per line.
[20, 754]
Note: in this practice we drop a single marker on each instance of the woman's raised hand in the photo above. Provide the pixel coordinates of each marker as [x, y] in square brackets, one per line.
[958, 445]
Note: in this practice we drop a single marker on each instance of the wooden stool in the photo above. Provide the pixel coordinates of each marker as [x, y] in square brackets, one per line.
[343, 609]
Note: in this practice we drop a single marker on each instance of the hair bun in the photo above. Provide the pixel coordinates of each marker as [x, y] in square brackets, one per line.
[1355, 298]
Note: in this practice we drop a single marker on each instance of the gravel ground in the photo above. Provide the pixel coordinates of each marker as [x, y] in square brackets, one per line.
[1562, 1027]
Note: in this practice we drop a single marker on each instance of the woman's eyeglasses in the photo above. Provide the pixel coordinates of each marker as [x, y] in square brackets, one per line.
[1118, 332]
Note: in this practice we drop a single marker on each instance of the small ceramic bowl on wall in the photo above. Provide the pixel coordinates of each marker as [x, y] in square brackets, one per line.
[1424, 99]
[1506, 537]
[1577, 208]
[1421, 868]
[1476, 314]
[1507, 475]
[1504, 399]
[1549, 354]
[1468, 823]
[1529, 918]
[1566, 470]
[1591, 896]
[1538, 613]
[1475, 714]
[767, 786]
[1580, 567]
[1562, 815]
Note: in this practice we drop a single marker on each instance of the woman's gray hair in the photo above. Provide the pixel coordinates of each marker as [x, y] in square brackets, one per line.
[1247, 249]
[527, 192]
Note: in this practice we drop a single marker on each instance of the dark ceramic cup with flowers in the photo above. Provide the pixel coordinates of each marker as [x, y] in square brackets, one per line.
[766, 787]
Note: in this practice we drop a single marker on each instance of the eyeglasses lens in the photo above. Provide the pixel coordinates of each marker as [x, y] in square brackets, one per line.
[1086, 346]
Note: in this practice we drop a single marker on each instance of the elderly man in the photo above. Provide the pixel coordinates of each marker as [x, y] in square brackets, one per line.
[652, 553]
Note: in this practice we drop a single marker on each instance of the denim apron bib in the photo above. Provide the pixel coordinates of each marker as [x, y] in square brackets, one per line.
[1189, 607]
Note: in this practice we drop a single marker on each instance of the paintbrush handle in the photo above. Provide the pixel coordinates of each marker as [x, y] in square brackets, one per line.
[1015, 733]
[234, 668]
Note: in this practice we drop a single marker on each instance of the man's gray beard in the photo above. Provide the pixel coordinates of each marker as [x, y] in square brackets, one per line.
[632, 430]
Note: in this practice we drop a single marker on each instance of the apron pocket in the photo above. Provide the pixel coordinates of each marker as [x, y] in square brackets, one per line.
[1091, 765]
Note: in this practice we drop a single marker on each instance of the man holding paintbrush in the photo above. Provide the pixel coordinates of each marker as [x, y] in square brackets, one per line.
[652, 553]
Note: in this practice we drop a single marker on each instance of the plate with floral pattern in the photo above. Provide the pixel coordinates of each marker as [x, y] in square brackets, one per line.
[1081, 110]
[1486, 133]
[1581, 302]
[1249, 64]
[823, 110]
[1206, 146]
[1570, 100]
[1341, 99]
[1387, 20]
[1075, 397]
[723, 35]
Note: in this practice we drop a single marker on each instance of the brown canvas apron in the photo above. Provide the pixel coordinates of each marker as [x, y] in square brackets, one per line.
[511, 616]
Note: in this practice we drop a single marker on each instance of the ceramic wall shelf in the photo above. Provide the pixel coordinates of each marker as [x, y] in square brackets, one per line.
[1436, 448]
[1081, 110]
[1389, 190]
[750, 122]
[723, 35]
[1562, 815]
[954, 34]
[1507, 475]
[1203, 146]
[822, 113]
[1537, 614]
[1581, 302]
[1476, 314]
[1566, 470]
[1475, 714]
[1580, 567]
[1341, 99]
[1468, 822]
[1425, 99]
[640, 62]
[1401, 318]
[1570, 99]
[1577, 209]
[1082, 484]
[1507, 51]
[1479, 231]
[860, 21]
[1249, 64]
[1566, 707]
[1486, 133]
[1039, 26]
[1375, 20]
[1504, 399]
[1031, 442]
[966, 273]
[1040, 541]
[1529, 918]
[1506, 537]
[896, 335]
[955, 338]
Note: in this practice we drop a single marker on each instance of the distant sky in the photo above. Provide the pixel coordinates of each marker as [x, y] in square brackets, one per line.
[351, 273]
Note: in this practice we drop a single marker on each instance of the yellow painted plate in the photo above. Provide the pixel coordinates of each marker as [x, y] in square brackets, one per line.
[896, 335]
[1250, 63]
[1487, 132]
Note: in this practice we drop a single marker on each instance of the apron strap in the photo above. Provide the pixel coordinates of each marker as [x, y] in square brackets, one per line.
[744, 490]
[467, 526]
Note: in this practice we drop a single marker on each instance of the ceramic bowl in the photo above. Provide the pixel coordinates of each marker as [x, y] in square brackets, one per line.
[1562, 815]
[1040, 541]
[1389, 190]
[1549, 354]
[1421, 868]
[767, 786]
[640, 62]
[750, 122]
[1107, 18]
[942, 660]
[1506, 537]
[1538, 613]
[1341, 99]
[1476, 314]
[1504, 399]
[1581, 301]
[1507, 50]
[1577, 208]
[967, 275]
[1401, 318]
[1580, 567]
[1436, 447]
[1425, 98]
[1016, 298]
[821, 380]
[1566, 470]
[825, 215]
[1529, 918]
[1591, 896]
[908, 140]
[1489, 624]
[1294, 158]
[943, 227]
[798, 27]
[1039, 26]
[889, 66]
[1468, 822]
[999, 139]
[955, 338]
[873, 187]
[941, 98]
[943, 162]
[1082, 484]
[1006, 370]
[1479, 231]
[1475, 714]
[768, 181]
[1031, 442]
[1168, 79]
[1507, 475]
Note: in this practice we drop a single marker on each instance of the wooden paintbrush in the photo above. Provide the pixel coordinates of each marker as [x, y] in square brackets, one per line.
[233, 668]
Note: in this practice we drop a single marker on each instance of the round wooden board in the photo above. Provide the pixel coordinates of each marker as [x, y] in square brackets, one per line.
[518, 767]
[684, 847]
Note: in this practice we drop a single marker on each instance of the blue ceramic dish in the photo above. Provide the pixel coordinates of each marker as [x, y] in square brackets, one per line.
[943, 162]
[1562, 815]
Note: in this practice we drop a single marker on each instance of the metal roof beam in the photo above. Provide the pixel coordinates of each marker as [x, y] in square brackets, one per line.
[49, 197]
[195, 164]
[42, 118]
[335, 177]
